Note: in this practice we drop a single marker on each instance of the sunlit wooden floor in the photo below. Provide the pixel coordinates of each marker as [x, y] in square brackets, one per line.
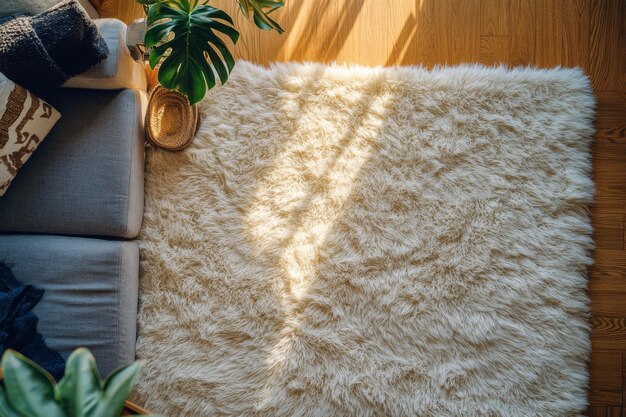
[586, 33]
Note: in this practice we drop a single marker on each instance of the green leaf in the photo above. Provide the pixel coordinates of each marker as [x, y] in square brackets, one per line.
[5, 408]
[29, 389]
[188, 32]
[116, 390]
[79, 390]
[261, 10]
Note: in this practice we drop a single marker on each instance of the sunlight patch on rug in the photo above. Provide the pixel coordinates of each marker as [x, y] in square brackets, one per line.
[366, 242]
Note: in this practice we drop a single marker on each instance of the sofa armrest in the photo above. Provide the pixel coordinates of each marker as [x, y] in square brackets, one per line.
[119, 70]
[91, 11]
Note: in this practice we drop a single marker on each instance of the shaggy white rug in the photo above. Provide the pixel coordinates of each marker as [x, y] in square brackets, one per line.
[368, 242]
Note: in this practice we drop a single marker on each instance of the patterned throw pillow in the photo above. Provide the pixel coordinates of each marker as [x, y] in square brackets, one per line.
[25, 120]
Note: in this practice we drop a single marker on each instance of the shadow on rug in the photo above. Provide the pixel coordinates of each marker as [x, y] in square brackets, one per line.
[367, 242]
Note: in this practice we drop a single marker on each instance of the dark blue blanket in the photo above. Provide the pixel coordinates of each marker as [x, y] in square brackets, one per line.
[18, 324]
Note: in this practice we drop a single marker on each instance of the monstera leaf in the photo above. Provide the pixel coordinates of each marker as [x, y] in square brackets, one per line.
[186, 31]
[261, 9]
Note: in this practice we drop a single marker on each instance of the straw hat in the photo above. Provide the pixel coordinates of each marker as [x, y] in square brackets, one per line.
[171, 122]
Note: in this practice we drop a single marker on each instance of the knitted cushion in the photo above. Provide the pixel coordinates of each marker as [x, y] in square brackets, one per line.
[31, 7]
[43, 51]
[27, 7]
[25, 120]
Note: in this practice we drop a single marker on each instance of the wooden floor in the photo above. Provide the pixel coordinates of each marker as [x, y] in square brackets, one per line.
[586, 33]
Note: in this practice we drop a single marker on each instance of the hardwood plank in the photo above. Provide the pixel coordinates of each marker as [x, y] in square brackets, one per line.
[608, 303]
[127, 11]
[608, 333]
[611, 116]
[606, 378]
[365, 26]
[623, 382]
[448, 32]
[596, 411]
[607, 290]
[608, 271]
[522, 31]
[605, 20]
[609, 172]
[428, 34]
[494, 18]
[109, 8]
[270, 42]
[622, 55]
[464, 42]
[301, 33]
[562, 33]
[402, 34]
[494, 50]
[605, 412]
[608, 230]
[335, 22]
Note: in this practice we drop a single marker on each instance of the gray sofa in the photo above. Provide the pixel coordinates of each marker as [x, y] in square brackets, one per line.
[68, 217]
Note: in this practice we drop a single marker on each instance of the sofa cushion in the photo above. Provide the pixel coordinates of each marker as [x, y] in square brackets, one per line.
[91, 290]
[86, 178]
[119, 69]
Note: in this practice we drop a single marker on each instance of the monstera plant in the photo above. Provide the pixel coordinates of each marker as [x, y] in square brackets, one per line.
[28, 391]
[184, 39]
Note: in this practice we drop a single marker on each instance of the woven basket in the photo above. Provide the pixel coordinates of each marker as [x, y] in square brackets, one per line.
[171, 122]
